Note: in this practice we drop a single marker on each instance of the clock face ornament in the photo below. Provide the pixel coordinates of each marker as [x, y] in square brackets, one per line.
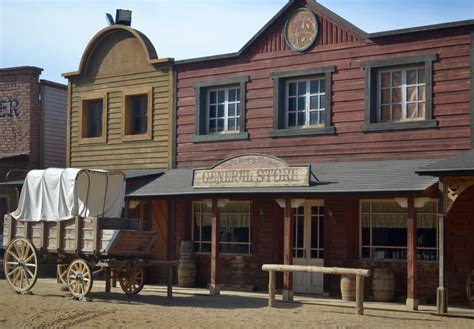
[301, 29]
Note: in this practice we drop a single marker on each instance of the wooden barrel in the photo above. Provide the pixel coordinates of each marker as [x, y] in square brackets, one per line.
[187, 250]
[348, 287]
[383, 285]
[187, 272]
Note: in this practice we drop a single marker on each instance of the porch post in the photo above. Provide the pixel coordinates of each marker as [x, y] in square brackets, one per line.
[442, 292]
[411, 301]
[214, 288]
[287, 251]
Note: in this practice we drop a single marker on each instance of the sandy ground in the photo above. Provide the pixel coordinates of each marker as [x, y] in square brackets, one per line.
[48, 307]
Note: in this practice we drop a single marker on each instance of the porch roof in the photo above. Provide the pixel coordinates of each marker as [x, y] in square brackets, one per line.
[460, 164]
[394, 176]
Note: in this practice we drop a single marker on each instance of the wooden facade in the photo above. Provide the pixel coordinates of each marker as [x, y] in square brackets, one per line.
[118, 62]
[338, 45]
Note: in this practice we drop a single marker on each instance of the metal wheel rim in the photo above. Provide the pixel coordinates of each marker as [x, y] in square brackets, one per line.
[20, 265]
[132, 281]
[79, 278]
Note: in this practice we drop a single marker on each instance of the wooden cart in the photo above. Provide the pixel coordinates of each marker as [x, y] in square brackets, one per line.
[81, 247]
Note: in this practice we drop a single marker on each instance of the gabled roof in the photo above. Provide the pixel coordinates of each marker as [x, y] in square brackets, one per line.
[312, 4]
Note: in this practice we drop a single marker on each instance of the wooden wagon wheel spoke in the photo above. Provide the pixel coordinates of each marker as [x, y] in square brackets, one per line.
[79, 278]
[21, 264]
[132, 280]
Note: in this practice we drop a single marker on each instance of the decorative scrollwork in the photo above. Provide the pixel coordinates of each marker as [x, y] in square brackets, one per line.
[454, 187]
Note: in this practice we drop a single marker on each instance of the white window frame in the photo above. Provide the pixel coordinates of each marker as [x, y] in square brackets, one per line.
[404, 98]
[307, 95]
[200, 241]
[371, 246]
[226, 116]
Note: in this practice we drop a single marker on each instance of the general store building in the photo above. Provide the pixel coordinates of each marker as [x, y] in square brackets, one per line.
[355, 117]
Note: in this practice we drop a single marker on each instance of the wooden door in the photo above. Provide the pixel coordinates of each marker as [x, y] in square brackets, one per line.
[309, 246]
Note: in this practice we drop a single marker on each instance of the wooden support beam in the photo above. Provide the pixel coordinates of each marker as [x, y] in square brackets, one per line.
[77, 225]
[170, 252]
[214, 288]
[411, 301]
[288, 250]
[107, 279]
[271, 288]
[359, 295]
[441, 292]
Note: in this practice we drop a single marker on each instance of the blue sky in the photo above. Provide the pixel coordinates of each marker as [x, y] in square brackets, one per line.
[52, 34]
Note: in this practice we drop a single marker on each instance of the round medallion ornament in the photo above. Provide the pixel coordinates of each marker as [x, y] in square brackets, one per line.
[301, 29]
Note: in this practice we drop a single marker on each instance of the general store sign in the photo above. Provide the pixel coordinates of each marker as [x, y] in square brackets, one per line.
[252, 170]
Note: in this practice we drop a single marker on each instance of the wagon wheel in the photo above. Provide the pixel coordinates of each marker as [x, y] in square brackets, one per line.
[470, 289]
[21, 265]
[79, 278]
[132, 280]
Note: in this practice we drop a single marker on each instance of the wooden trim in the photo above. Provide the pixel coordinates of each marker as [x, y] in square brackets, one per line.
[42, 126]
[58, 235]
[173, 140]
[304, 73]
[221, 82]
[126, 93]
[411, 250]
[220, 137]
[472, 85]
[43, 235]
[302, 132]
[288, 248]
[82, 127]
[214, 247]
[68, 127]
[399, 125]
[77, 221]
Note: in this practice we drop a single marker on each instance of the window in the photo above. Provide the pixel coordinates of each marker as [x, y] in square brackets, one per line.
[220, 110]
[92, 118]
[137, 114]
[384, 231]
[305, 103]
[224, 110]
[402, 95]
[302, 102]
[398, 93]
[234, 229]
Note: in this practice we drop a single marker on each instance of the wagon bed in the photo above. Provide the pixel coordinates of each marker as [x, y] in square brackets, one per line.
[102, 237]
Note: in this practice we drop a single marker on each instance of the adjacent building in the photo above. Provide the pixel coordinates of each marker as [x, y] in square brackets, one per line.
[32, 128]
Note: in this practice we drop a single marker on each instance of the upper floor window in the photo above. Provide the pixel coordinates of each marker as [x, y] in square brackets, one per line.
[224, 110]
[305, 103]
[92, 118]
[398, 93]
[402, 94]
[220, 109]
[302, 102]
[137, 114]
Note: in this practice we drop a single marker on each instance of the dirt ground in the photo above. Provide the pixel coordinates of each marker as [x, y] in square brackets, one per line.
[48, 307]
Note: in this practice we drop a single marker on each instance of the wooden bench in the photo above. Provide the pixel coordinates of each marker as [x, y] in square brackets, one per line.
[359, 273]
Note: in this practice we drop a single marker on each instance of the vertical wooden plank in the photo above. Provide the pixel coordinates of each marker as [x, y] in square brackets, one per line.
[254, 227]
[11, 228]
[359, 295]
[26, 227]
[411, 301]
[96, 243]
[287, 251]
[214, 289]
[77, 235]
[58, 235]
[271, 288]
[170, 254]
[107, 279]
[169, 281]
[43, 235]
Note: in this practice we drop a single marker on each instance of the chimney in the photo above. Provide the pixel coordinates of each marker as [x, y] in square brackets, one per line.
[123, 17]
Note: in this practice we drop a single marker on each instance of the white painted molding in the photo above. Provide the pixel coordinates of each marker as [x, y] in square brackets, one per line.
[420, 202]
[296, 203]
[222, 202]
[403, 202]
[281, 202]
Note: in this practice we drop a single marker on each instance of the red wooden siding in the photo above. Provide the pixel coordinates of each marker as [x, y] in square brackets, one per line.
[451, 106]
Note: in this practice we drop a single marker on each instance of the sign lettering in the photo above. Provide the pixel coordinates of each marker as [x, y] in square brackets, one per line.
[9, 108]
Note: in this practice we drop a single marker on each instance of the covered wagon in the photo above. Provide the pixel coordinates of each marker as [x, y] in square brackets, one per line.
[72, 217]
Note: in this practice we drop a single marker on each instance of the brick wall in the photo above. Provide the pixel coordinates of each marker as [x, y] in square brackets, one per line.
[19, 117]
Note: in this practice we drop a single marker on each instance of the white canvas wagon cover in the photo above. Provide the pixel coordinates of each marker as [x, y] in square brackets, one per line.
[61, 194]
